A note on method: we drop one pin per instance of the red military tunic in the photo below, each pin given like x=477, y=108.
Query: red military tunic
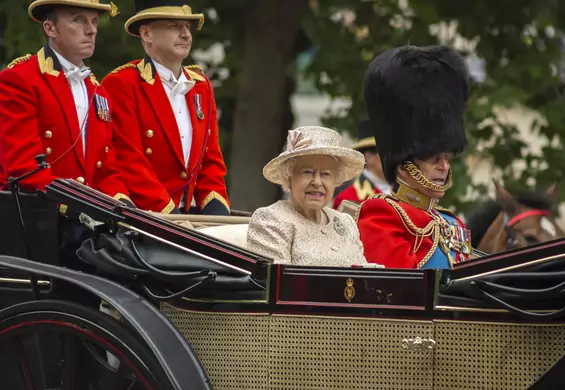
x=38, y=116
x=148, y=141
x=361, y=190
x=398, y=234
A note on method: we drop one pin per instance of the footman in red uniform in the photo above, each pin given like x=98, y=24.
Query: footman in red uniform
x=415, y=99
x=51, y=104
x=165, y=117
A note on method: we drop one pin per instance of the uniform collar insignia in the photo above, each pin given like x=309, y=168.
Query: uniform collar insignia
x=408, y=195
x=48, y=61
x=147, y=70
x=363, y=187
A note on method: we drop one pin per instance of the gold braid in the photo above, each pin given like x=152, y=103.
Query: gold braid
x=423, y=181
x=432, y=229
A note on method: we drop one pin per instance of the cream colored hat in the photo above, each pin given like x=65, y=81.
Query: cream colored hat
x=39, y=8
x=149, y=10
x=315, y=140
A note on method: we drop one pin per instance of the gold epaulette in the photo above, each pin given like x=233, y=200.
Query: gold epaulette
x=446, y=211
x=197, y=67
x=19, y=60
x=196, y=72
x=93, y=80
x=122, y=67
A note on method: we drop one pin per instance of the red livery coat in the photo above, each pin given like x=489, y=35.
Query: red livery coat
x=148, y=142
x=361, y=190
x=38, y=116
x=385, y=231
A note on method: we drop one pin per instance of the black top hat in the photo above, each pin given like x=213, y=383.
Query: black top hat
x=415, y=98
x=39, y=8
x=365, y=138
x=151, y=10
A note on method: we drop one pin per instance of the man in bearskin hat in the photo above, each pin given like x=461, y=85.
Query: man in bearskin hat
x=415, y=99
x=51, y=104
x=371, y=181
x=167, y=136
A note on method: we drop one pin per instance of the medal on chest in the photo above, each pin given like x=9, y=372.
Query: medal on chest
x=198, y=106
x=102, y=108
x=453, y=238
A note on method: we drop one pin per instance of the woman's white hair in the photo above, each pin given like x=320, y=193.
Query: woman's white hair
x=287, y=169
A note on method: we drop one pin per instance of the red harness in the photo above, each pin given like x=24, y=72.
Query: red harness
x=527, y=214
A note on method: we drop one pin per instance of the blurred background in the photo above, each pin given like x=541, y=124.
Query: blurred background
x=280, y=64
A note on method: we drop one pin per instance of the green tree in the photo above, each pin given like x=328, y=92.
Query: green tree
x=517, y=39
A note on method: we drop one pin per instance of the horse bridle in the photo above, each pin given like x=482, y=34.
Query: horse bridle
x=512, y=241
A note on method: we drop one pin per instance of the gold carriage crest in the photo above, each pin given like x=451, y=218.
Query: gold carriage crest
x=349, y=291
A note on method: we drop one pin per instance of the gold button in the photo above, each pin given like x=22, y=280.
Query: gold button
x=99, y=164
x=149, y=133
x=107, y=149
x=148, y=151
x=183, y=175
x=48, y=151
x=80, y=179
x=48, y=134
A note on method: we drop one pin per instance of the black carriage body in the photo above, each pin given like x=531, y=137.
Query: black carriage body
x=255, y=324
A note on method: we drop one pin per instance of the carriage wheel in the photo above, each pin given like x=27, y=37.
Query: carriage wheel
x=66, y=346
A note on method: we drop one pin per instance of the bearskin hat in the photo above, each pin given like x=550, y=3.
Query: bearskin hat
x=415, y=98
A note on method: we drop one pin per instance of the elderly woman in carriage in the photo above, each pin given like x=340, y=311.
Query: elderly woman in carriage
x=303, y=230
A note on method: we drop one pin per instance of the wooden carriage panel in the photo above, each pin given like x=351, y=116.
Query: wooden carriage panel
x=494, y=356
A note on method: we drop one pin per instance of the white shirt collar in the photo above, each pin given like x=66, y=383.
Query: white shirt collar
x=66, y=64
x=382, y=184
x=167, y=75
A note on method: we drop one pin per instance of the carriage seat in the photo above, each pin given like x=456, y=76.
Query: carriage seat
x=235, y=234
x=231, y=229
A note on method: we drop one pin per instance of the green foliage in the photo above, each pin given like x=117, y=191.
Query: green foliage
x=520, y=73
x=522, y=64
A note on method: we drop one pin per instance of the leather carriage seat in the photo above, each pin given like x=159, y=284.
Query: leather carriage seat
x=231, y=229
x=235, y=234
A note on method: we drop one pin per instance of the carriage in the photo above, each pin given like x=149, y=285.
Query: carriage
x=147, y=302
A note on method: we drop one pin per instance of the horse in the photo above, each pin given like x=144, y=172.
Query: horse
x=510, y=222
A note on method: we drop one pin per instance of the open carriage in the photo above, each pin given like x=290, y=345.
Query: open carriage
x=150, y=303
